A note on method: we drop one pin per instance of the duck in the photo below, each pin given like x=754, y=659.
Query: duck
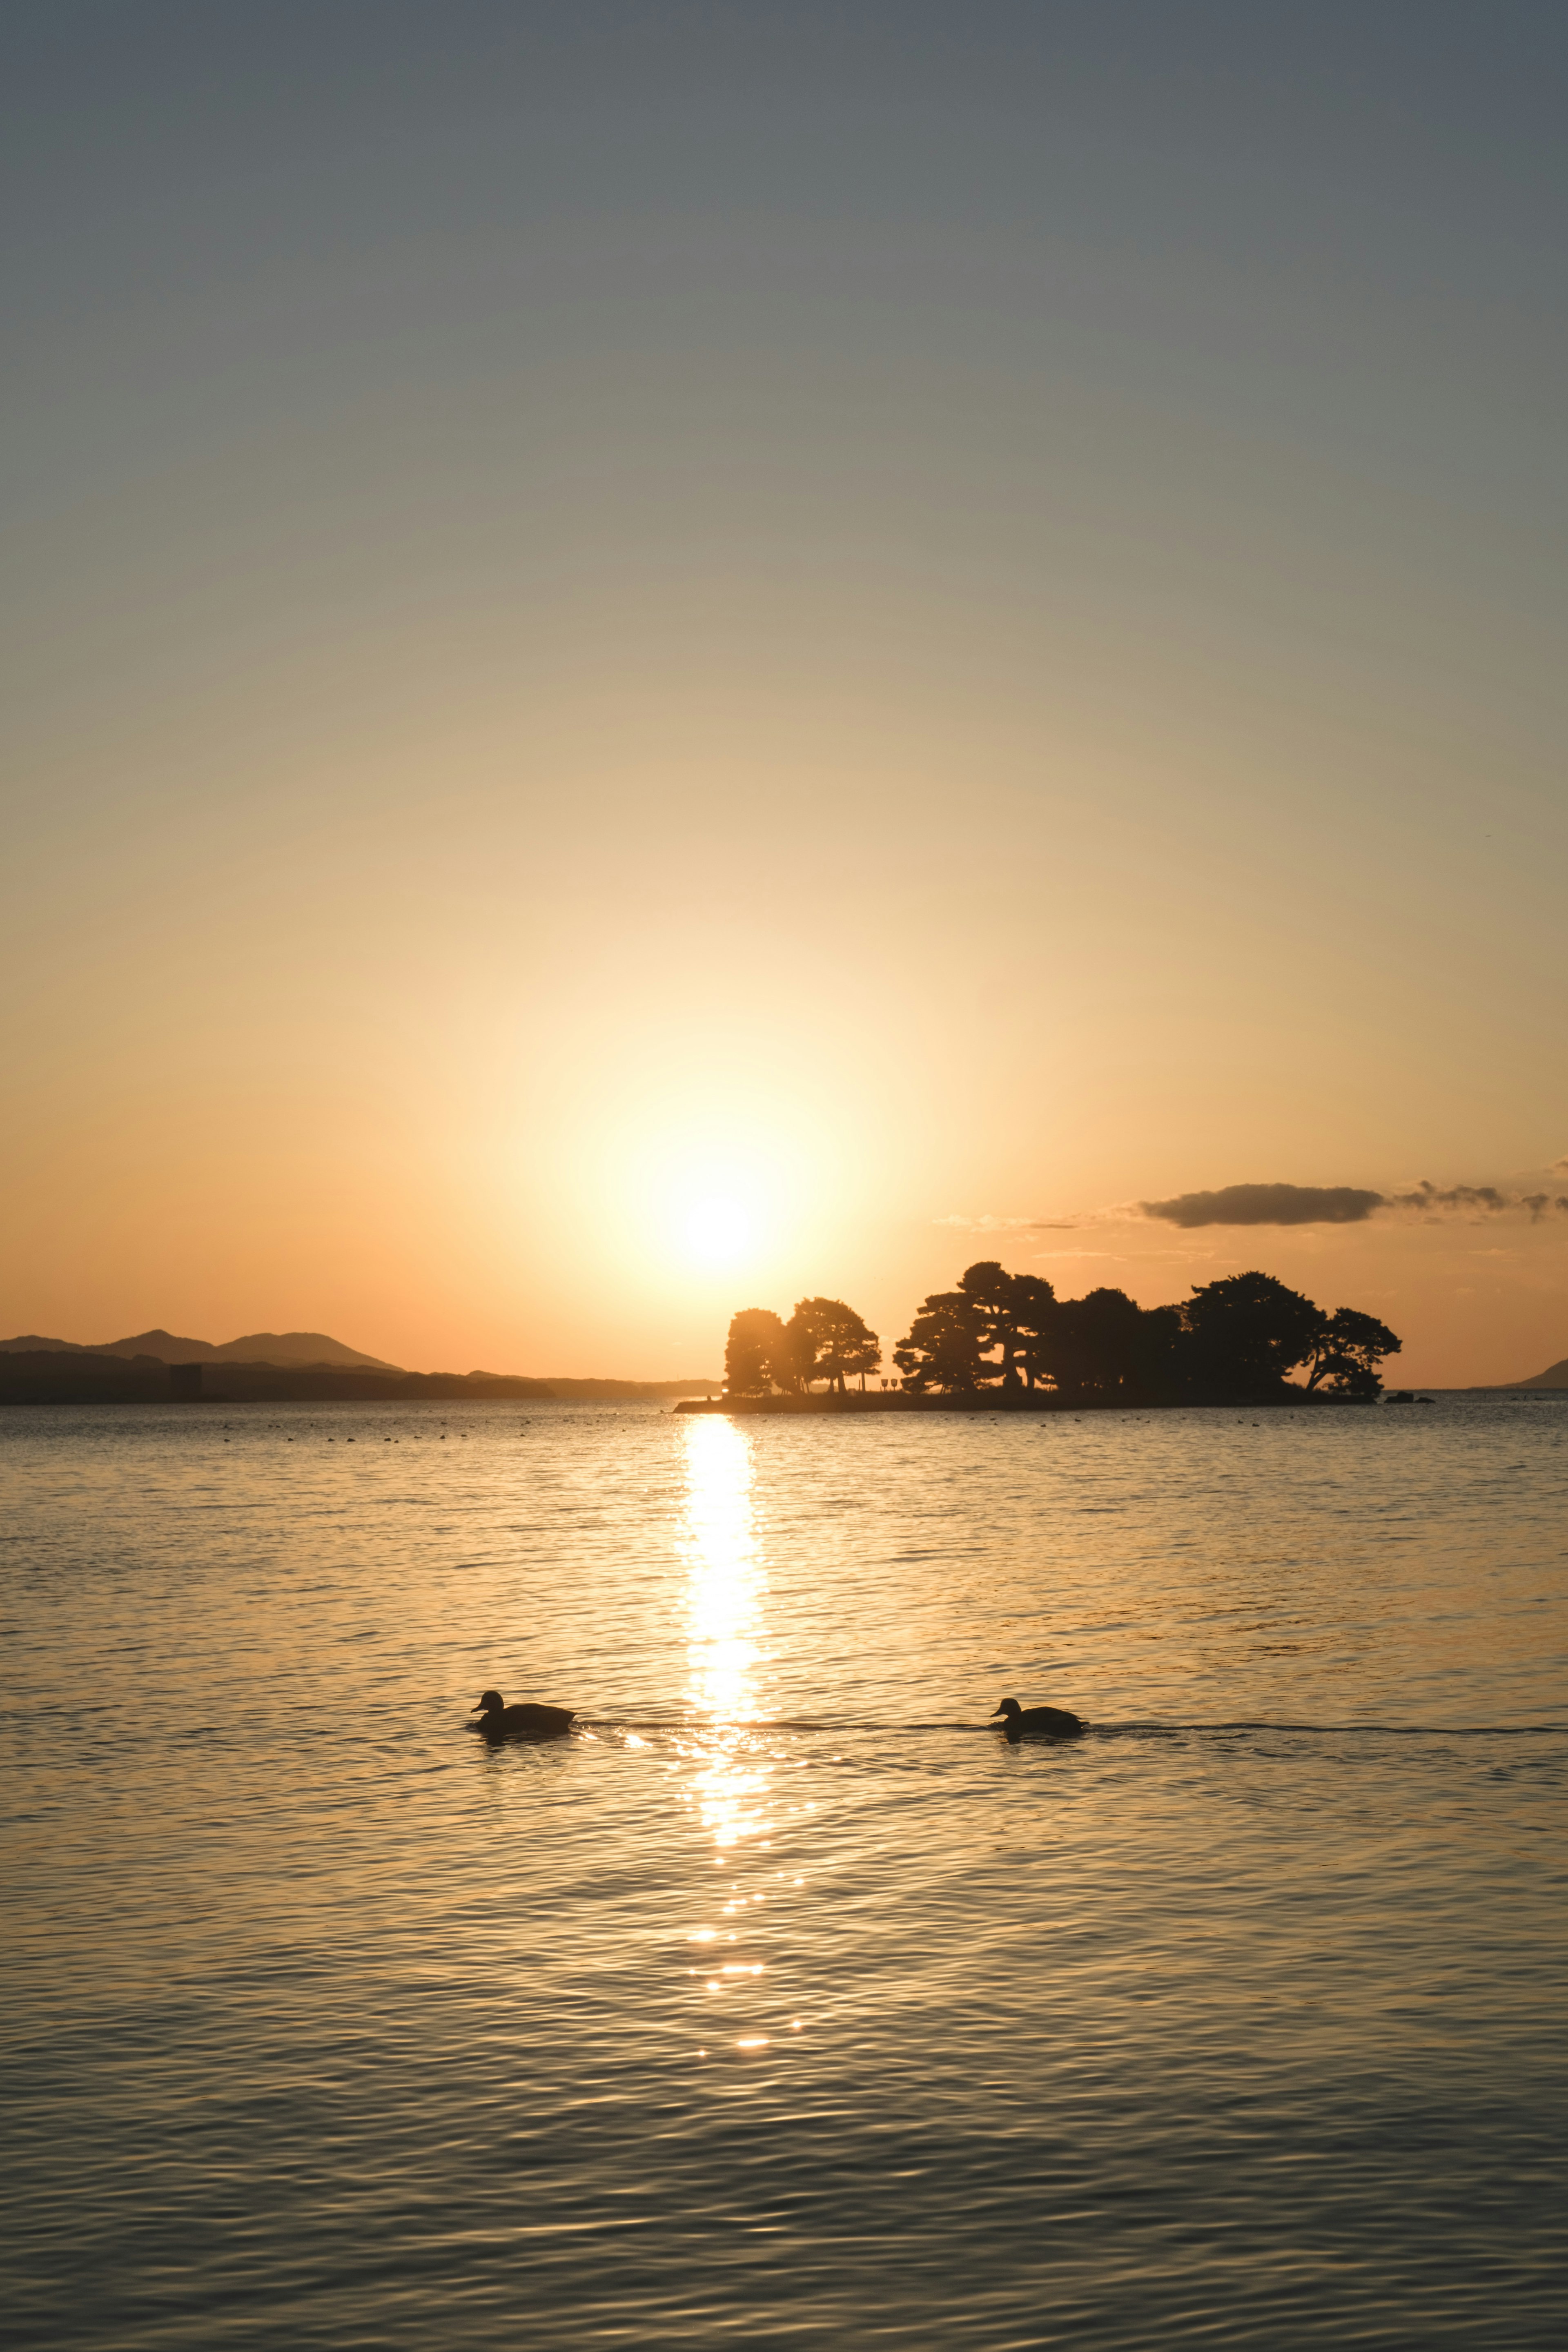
x=524, y=1719
x=1039, y=1722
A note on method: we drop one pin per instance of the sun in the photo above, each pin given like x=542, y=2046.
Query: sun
x=717, y=1230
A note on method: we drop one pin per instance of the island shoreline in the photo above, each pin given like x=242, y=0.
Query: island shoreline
x=1029, y=1402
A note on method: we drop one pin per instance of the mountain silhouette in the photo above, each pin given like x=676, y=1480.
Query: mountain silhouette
x=256, y=1348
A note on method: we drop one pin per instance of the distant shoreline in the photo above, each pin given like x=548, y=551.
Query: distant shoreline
x=1034, y=1401
x=43, y=1376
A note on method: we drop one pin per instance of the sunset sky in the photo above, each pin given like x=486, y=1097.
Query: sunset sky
x=660, y=657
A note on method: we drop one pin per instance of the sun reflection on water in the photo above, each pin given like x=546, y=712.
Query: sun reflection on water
x=725, y=1589
x=719, y=1546
x=736, y=1756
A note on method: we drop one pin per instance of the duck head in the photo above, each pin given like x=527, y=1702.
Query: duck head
x=1009, y=1707
x=489, y=1703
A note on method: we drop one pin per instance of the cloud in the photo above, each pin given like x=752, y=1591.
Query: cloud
x=1268, y=1204
x=1483, y=1197
x=1346, y=1204
x=1287, y=1205
x=1478, y=1200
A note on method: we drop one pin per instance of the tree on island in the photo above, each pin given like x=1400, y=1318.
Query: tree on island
x=1240, y=1336
x=991, y=1331
x=830, y=1338
x=822, y=1338
x=1106, y=1345
x=1248, y=1331
x=791, y=1364
x=1349, y=1347
x=756, y=1342
x=944, y=1347
x=1015, y=1312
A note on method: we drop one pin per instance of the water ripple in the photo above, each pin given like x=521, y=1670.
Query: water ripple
x=784, y=1998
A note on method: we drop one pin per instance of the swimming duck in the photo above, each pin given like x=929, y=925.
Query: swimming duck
x=1039, y=1722
x=522, y=1720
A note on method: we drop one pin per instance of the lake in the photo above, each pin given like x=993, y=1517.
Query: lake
x=785, y=2002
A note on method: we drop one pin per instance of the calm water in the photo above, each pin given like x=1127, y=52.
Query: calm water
x=784, y=2003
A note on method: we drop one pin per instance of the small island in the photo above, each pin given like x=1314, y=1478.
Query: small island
x=1003, y=1341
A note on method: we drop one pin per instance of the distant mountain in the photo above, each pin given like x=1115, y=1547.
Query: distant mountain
x=164, y=1344
x=77, y=1376
x=257, y=1348
x=1555, y=1376
x=299, y=1350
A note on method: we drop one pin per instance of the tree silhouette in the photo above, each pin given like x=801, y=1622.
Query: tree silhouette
x=1350, y=1346
x=1159, y=1341
x=1011, y=1312
x=799, y=1346
x=1013, y=1309
x=755, y=1343
x=990, y=1291
x=1034, y=1312
x=826, y=1337
x=1247, y=1331
x=1239, y=1337
x=1098, y=1342
x=1105, y=1345
x=945, y=1346
x=793, y=1357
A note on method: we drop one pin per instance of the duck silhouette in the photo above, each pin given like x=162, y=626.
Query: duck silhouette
x=524, y=1719
x=1039, y=1722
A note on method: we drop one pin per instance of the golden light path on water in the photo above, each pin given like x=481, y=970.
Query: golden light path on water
x=726, y=1582
x=726, y=1592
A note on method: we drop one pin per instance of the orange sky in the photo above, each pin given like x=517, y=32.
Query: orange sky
x=925, y=642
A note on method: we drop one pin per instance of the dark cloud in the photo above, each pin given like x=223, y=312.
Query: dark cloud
x=1268, y=1204
x=1345, y=1204
x=1484, y=1198
x=1478, y=1200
